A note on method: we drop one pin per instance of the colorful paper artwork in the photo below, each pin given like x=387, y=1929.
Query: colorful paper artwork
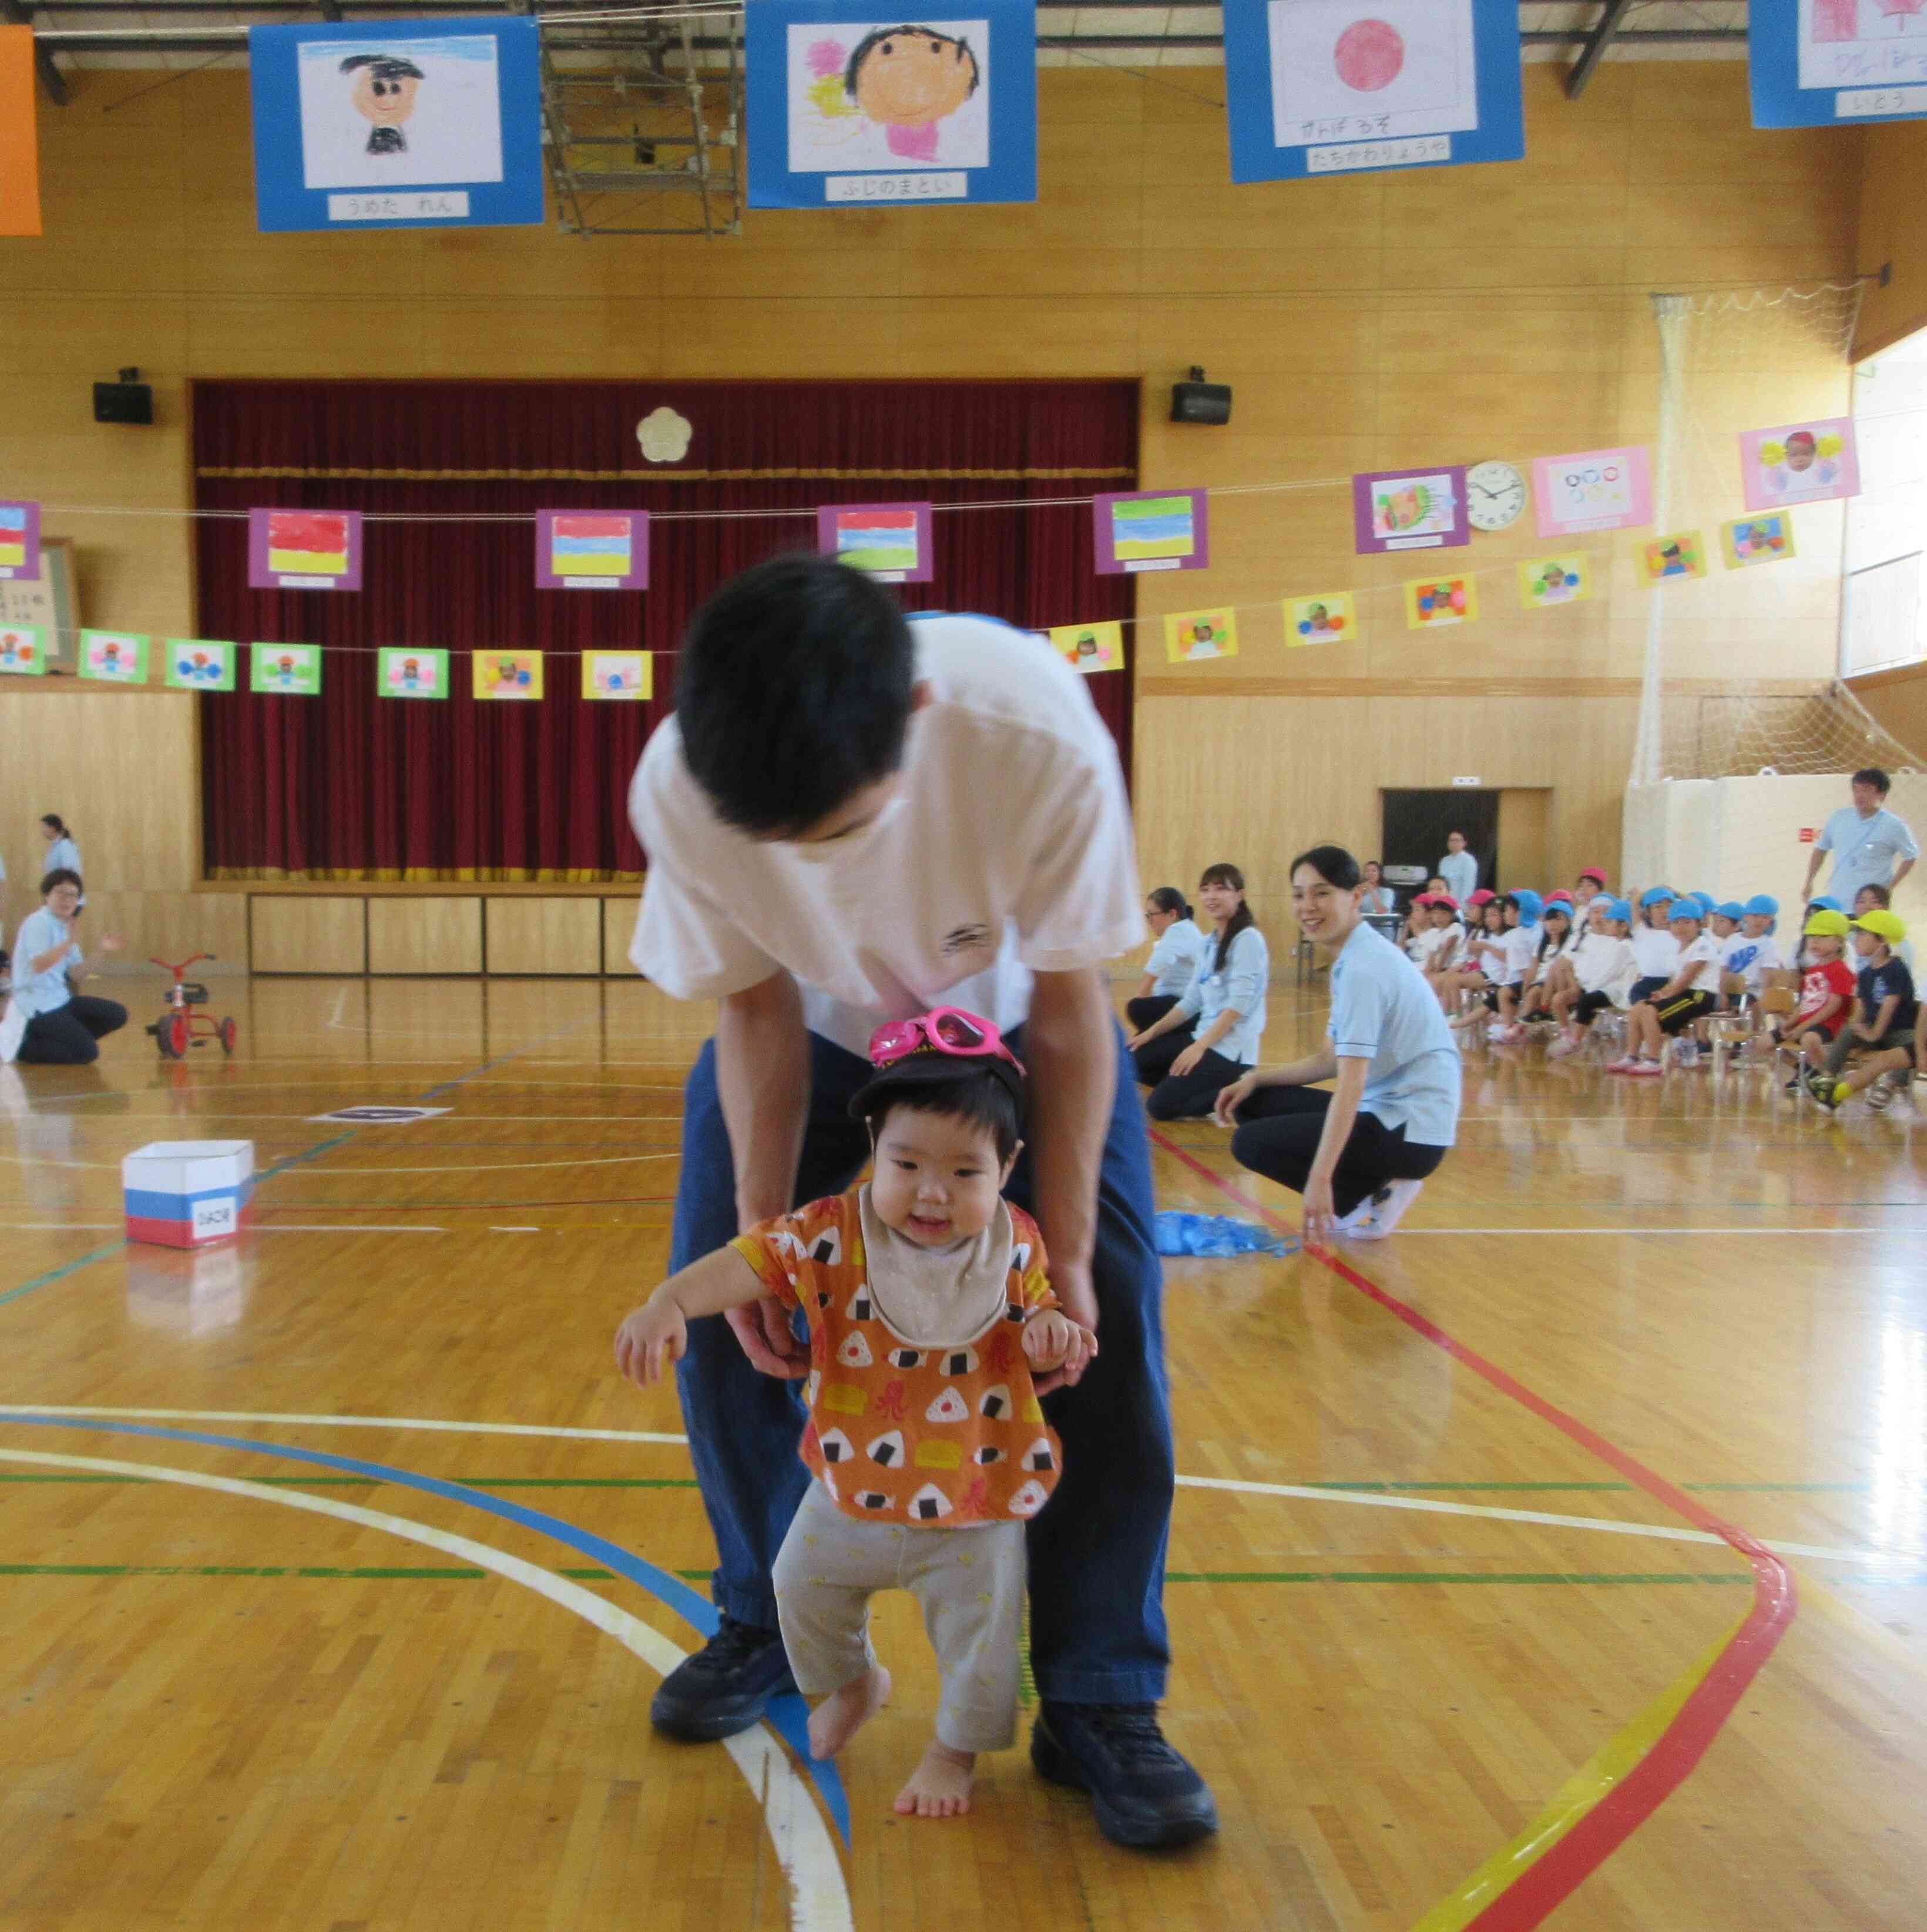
x=199, y=664
x=285, y=671
x=23, y=650
x=1190, y=636
x=507, y=677
x=1545, y=581
x=400, y=124
x=1593, y=489
x=1433, y=603
x=891, y=541
x=1330, y=619
x=592, y=550
x=1674, y=558
x=1801, y=462
x=1151, y=529
x=1091, y=647
x=618, y=676
x=20, y=540
x=1402, y=509
x=305, y=550
x=19, y=143
x=113, y=657
x=1816, y=63
x=402, y=671
x=848, y=105
x=1330, y=86
x=1767, y=538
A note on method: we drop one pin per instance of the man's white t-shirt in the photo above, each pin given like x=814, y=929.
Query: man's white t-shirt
x=1008, y=852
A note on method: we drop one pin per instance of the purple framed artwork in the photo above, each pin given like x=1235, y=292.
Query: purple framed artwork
x=889, y=541
x=20, y=541
x=1150, y=530
x=592, y=550
x=1410, y=509
x=304, y=550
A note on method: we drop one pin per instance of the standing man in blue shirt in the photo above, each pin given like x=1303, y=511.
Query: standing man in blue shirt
x=1359, y=1154
x=1870, y=845
x=1459, y=868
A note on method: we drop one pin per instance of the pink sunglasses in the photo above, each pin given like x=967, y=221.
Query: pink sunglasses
x=948, y=1030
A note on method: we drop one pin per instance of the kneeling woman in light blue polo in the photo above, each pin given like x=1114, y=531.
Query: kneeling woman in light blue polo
x=1360, y=1154
x=1210, y=1037
x=63, y=1026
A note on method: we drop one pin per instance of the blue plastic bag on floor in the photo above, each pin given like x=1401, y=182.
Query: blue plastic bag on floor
x=1217, y=1236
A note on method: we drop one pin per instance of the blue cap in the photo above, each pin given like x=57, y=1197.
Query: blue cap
x=1732, y=909
x=1825, y=905
x=1764, y=905
x=1706, y=901
x=1688, y=908
x=1529, y=905
x=1618, y=909
x=1655, y=895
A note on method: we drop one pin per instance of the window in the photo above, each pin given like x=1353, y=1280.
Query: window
x=1884, y=613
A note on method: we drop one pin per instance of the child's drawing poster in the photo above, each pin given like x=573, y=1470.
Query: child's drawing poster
x=1767, y=538
x=891, y=541
x=507, y=677
x=1332, y=86
x=1673, y=559
x=1091, y=648
x=401, y=671
x=1190, y=636
x=1546, y=581
x=23, y=650
x=199, y=664
x=1403, y=509
x=848, y=106
x=1331, y=618
x=1433, y=603
x=20, y=541
x=1816, y=63
x=113, y=657
x=618, y=676
x=285, y=671
x=19, y=136
x=305, y=550
x=592, y=550
x=1592, y=489
x=397, y=123
x=1150, y=530
x=1800, y=463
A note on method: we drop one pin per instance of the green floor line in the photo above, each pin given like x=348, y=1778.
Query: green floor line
x=53, y=1275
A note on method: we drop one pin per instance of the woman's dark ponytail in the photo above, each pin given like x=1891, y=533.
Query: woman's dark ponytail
x=1168, y=899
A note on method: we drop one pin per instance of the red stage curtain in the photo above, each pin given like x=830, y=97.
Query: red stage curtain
x=349, y=787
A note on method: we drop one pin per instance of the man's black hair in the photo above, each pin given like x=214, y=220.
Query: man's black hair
x=794, y=693
x=1333, y=864
x=980, y=1100
x=61, y=875
x=1872, y=775
x=878, y=35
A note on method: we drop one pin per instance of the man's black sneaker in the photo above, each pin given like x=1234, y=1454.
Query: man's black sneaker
x=1144, y=1794
x=726, y=1687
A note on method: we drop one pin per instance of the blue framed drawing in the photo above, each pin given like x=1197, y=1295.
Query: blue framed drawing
x=397, y=123
x=1816, y=63
x=852, y=106
x=1322, y=87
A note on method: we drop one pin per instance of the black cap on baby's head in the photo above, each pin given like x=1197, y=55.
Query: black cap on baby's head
x=986, y=1092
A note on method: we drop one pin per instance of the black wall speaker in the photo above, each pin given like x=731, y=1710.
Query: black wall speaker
x=1197, y=401
x=129, y=400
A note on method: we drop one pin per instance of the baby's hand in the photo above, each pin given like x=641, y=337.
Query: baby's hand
x=1051, y=1340
x=651, y=1337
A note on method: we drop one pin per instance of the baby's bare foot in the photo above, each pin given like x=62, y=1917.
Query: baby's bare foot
x=844, y=1713
x=940, y=1787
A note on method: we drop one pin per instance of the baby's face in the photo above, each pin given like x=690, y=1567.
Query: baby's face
x=936, y=1178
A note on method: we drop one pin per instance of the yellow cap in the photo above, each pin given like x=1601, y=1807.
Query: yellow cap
x=1883, y=925
x=1827, y=925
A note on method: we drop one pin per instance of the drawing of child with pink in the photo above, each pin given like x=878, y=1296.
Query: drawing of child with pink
x=908, y=80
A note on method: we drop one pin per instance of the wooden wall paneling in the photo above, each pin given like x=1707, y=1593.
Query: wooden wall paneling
x=1525, y=839
x=1892, y=233
x=619, y=917
x=1898, y=699
x=424, y=935
x=297, y=933
x=544, y=935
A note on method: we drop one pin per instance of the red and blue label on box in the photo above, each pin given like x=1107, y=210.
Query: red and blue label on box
x=186, y=1194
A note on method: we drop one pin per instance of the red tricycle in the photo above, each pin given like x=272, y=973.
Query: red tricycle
x=180, y=1027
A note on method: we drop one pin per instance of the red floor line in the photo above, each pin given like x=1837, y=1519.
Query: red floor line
x=1556, y=1877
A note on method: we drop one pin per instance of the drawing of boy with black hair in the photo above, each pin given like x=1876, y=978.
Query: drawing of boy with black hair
x=384, y=95
x=907, y=79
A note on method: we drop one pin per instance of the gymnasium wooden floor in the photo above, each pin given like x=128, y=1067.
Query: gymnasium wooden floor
x=279, y=1654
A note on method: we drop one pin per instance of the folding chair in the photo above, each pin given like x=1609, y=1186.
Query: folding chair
x=1733, y=1026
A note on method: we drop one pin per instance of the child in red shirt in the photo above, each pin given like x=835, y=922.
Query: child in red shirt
x=1826, y=990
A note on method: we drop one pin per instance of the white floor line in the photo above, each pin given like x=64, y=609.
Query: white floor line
x=383, y=1169
x=1360, y=1498
x=1847, y=1234
x=819, y=1901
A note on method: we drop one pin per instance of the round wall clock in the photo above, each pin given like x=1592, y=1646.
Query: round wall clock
x=1496, y=496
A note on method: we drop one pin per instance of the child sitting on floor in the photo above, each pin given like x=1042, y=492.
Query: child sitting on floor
x=928, y=1309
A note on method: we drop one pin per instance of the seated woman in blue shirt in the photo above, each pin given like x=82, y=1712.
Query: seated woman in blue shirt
x=1360, y=1154
x=1208, y=1039
x=1173, y=962
x=64, y=1027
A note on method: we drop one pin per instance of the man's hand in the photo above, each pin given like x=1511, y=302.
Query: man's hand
x=1078, y=1299
x=1321, y=1212
x=1231, y=1098
x=763, y=1330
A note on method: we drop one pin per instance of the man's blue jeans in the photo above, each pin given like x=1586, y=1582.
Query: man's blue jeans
x=1096, y=1550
